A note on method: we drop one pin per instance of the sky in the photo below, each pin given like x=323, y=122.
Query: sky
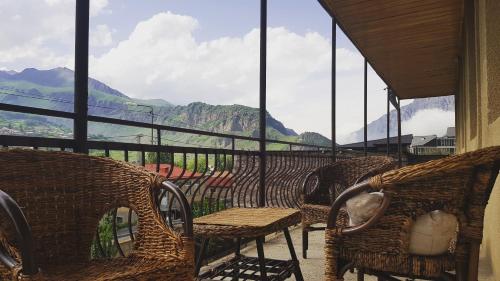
x=202, y=50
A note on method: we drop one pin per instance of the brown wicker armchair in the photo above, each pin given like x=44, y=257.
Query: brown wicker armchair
x=50, y=207
x=459, y=185
x=323, y=185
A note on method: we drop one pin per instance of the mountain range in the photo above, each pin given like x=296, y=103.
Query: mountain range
x=377, y=129
x=53, y=89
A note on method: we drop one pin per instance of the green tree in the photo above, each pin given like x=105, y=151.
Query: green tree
x=105, y=232
x=201, y=164
x=225, y=162
x=164, y=157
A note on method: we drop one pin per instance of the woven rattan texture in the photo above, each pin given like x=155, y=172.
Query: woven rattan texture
x=334, y=179
x=246, y=222
x=64, y=195
x=459, y=185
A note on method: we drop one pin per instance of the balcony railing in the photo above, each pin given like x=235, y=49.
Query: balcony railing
x=212, y=179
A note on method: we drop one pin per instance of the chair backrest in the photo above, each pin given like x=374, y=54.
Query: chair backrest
x=460, y=184
x=336, y=177
x=64, y=195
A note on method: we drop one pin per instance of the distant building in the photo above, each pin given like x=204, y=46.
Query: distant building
x=173, y=172
x=380, y=145
x=201, y=185
x=434, y=145
x=8, y=131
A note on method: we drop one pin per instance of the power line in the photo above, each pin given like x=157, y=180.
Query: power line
x=38, y=98
x=163, y=138
x=91, y=105
x=70, y=102
x=66, y=101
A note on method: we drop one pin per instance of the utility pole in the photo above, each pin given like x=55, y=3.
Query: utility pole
x=151, y=109
x=151, y=112
x=138, y=140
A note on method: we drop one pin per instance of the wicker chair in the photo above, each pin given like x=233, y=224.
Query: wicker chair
x=62, y=196
x=323, y=185
x=459, y=185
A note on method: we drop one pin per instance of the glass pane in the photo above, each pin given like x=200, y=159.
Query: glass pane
x=377, y=106
x=191, y=64
x=36, y=53
x=299, y=72
x=36, y=62
x=31, y=125
x=350, y=79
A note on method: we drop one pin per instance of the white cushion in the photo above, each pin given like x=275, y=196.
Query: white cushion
x=432, y=233
x=363, y=206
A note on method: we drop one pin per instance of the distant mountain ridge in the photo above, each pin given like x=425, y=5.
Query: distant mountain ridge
x=53, y=89
x=378, y=128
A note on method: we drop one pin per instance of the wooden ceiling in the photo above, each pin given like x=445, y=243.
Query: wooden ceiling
x=412, y=44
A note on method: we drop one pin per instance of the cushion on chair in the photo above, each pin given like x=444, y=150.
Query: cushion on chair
x=432, y=233
x=363, y=206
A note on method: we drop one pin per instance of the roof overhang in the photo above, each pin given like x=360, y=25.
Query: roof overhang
x=413, y=45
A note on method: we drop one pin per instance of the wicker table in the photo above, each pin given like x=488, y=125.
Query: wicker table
x=248, y=223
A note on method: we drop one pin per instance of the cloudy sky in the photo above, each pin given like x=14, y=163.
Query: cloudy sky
x=201, y=50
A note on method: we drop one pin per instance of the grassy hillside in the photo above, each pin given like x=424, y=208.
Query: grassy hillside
x=53, y=89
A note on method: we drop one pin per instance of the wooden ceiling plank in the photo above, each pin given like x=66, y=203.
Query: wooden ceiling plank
x=412, y=44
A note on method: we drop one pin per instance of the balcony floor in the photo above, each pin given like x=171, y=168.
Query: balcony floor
x=313, y=266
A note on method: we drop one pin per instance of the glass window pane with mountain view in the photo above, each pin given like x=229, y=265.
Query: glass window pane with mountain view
x=299, y=73
x=192, y=64
x=36, y=65
x=350, y=79
x=377, y=108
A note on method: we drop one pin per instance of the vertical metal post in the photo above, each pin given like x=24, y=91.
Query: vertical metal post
x=400, y=161
x=334, y=89
x=262, y=102
x=158, y=153
x=81, y=75
x=152, y=127
x=388, y=122
x=158, y=136
x=233, y=144
x=365, y=112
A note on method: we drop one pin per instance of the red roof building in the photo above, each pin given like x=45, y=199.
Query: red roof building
x=217, y=180
x=176, y=174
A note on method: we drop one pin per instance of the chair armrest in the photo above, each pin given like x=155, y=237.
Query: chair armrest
x=23, y=231
x=366, y=176
x=186, y=209
x=161, y=237
x=307, y=191
x=346, y=195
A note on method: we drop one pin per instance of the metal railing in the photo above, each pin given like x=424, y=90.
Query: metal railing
x=220, y=178
x=229, y=177
x=212, y=179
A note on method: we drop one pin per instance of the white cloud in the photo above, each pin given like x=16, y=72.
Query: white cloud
x=36, y=33
x=162, y=59
x=101, y=36
x=429, y=122
x=52, y=2
x=41, y=33
x=96, y=6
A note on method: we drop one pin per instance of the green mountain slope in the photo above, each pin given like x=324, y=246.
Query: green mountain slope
x=53, y=89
